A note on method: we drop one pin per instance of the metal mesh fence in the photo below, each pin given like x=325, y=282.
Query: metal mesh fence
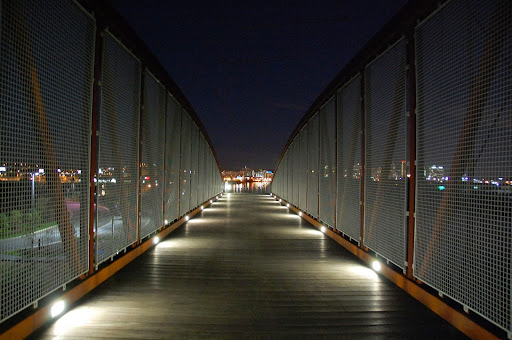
x=296, y=170
x=117, y=178
x=194, y=163
x=186, y=124
x=327, y=173
x=210, y=174
x=289, y=173
x=464, y=125
x=284, y=176
x=46, y=64
x=152, y=156
x=313, y=150
x=303, y=179
x=201, y=168
x=172, y=159
x=386, y=155
x=348, y=216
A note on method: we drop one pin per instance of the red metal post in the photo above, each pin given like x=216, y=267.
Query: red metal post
x=411, y=56
x=94, y=157
x=363, y=161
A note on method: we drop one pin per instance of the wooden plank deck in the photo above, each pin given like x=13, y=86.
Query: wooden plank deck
x=247, y=268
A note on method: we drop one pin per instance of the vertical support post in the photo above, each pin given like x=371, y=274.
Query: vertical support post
x=98, y=58
x=335, y=160
x=411, y=57
x=141, y=112
x=363, y=159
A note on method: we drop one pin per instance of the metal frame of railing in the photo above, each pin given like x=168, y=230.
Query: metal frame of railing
x=24, y=46
x=484, y=70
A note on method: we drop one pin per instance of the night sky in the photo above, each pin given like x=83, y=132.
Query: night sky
x=252, y=69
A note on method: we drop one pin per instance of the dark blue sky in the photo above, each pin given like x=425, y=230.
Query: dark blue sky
x=252, y=69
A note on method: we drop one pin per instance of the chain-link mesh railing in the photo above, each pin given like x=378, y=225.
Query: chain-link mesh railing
x=302, y=169
x=46, y=76
x=152, y=156
x=464, y=161
x=118, y=157
x=186, y=127
x=385, y=197
x=48, y=67
x=327, y=171
x=313, y=158
x=172, y=159
x=348, y=213
x=462, y=245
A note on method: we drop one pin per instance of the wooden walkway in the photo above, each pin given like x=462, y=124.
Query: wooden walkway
x=246, y=268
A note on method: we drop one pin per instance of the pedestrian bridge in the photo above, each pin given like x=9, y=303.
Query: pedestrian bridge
x=247, y=266
x=389, y=214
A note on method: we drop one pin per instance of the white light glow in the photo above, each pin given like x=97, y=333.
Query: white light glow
x=166, y=222
x=211, y=201
x=363, y=271
x=202, y=207
x=280, y=200
x=300, y=213
x=156, y=240
x=323, y=229
x=376, y=266
x=57, y=308
x=288, y=205
x=216, y=197
x=186, y=218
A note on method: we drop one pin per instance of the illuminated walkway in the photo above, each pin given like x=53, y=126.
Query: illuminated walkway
x=247, y=268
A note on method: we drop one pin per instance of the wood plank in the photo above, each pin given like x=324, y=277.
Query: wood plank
x=247, y=267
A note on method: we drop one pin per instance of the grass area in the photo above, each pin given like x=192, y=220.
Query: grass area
x=27, y=231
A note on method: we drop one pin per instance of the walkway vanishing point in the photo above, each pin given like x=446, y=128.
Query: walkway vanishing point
x=247, y=267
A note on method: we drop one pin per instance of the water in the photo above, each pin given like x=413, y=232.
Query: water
x=248, y=187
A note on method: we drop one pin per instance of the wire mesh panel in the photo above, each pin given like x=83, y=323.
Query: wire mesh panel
x=116, y=210
x=186, y=150
x=464, y=160
x=210, y=174
x=289, y=175
x=194, y=163
x=303, y=173
x=296, y=171
x=348, y=215
x=284, y=176
x=45, y=104
x=201, y=169
x=172, y=159
x=327, y=188
x=386, y=155
x=152, y=156
x=313, y=150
